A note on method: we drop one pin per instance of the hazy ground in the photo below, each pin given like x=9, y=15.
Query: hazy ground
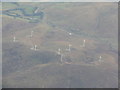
x=52, y=23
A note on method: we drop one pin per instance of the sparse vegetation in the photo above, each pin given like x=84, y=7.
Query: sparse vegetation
x=94, y=22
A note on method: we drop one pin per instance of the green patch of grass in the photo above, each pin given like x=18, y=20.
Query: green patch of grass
x=28, y=9
x=7, y=5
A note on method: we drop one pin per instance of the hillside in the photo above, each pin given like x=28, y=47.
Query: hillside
x=54, y=26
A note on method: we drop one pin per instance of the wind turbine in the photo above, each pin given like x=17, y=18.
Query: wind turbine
x=100, y=58
x=69, y=49
x=59, y=51
x=61, y=55
x=14, y=39
x=83, y=43
x=34, y=48
x=31, y=34
x=61, y=58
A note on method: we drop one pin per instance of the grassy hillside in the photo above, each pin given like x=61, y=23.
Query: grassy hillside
x=52, y=23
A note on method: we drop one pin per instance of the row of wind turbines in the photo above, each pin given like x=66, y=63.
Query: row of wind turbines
x=35, y=48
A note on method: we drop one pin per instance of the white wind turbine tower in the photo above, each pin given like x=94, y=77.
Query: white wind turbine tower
x=14, y=39
x=31, y=34
x=69, y=49
x=61, y=55
x=100, y=58
x=61, y=58
x=59, y=51
x=83, y=43
x=34, y=48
